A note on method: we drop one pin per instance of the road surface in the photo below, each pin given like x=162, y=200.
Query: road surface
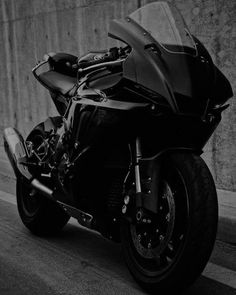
x=79, y=261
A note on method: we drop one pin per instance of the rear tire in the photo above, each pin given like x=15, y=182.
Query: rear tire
x=175, y=258
x=39, y=214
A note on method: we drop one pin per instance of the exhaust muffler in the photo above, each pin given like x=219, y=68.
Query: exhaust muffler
x=16, y=151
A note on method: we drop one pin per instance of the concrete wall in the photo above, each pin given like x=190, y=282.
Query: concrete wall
x=30, y=28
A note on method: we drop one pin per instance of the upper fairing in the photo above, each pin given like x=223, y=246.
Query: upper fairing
x=165, y=57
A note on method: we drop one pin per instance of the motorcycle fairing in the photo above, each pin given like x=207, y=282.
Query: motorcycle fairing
x=142, y=66
x=177, y=75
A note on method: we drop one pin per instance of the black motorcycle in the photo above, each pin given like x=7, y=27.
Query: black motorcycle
x=123, y=157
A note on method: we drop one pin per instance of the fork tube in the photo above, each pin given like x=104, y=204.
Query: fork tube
x=137, y=179
x=138, y=156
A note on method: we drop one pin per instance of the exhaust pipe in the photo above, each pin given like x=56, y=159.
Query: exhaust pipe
x=17, y=153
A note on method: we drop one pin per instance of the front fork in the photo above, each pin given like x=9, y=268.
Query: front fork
x=146, y=176
x=137, y=157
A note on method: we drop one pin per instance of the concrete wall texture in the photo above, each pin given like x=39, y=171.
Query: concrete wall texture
x=30, y=28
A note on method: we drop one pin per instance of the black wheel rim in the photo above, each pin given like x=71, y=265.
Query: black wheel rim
x=157, y=247
x=29, y=199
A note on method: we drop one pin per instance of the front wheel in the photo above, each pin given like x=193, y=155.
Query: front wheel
x=171, y=252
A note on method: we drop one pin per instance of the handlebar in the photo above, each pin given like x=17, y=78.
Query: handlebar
x=86, y=64
x=109, y=64
x=90, y=66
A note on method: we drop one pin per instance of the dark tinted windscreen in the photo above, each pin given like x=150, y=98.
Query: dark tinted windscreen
x=165, y=24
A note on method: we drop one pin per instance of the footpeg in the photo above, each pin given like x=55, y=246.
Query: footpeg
x=83, y=218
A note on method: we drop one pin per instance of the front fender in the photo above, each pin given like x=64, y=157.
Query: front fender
x=150, y=175
x=168, y=150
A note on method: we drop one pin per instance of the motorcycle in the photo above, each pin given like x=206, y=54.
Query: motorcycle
x=123, y=156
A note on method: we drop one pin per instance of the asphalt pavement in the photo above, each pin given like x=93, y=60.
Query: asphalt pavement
x=80, y=261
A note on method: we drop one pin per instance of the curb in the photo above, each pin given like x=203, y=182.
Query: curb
x=227, y=216
x=226, y=199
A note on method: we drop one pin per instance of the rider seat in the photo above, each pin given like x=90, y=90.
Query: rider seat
x=58, y=83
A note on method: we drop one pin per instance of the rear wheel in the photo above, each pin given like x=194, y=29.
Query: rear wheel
x=39, y=214
x=172, y=251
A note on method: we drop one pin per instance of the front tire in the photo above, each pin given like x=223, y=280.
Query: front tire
x=170, y=254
